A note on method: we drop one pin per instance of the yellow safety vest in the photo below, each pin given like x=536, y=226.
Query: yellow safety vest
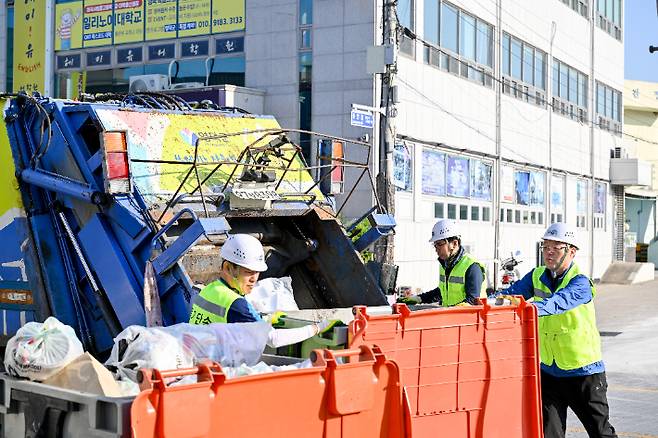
x=571, y=339
x=213, y=303
x=453, y=289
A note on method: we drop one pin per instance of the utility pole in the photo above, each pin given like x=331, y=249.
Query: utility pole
x=387, y=132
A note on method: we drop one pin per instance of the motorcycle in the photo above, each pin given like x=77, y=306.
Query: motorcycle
x=508, y=267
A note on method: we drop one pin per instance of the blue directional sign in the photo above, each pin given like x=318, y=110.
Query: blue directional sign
x=364, y=119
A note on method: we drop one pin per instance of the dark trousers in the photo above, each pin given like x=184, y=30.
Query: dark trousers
x=586, y=396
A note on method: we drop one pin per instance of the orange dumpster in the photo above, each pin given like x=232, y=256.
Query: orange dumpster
x=361, y=397
x=467, y=371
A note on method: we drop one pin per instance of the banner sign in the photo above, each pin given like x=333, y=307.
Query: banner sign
x=536, y=188
x=557, y=194
x=521, y=183
x=457, y=177
x=581, y=197
x=29, y=46
x=507, y=184
x=402, y=167
x=480, y=180
x=600, y=190
x=433, y=172
x=93, y=23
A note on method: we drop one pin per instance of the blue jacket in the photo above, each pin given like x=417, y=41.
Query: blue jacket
x=241, y=310
x=472, y=282
x=577, y=292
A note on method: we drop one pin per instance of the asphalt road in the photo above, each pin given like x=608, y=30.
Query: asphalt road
x=627, y=317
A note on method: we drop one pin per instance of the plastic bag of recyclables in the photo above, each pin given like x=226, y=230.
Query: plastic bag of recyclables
x=39, y=350
x=273, y=294
x=183, y=345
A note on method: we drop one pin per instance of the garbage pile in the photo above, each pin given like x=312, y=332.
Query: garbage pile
x=51, y=353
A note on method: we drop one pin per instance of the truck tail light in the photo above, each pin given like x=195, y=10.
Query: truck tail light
x=117, y=169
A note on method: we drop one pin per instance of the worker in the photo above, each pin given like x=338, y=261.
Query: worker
x=461, y=276
x=572, y=369
x=223, y=301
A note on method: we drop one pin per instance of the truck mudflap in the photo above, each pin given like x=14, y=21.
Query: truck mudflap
x=345, y=393
x=468, y=371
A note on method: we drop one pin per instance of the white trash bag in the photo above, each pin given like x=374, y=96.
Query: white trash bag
x=273, y=294
x=39, y=350
x=140, y=347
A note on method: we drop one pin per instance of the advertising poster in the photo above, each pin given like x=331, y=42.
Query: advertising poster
x=521, y=183
x=600, y=190
x=97, y=23
x=402, y=167
x=557, y=194
x=434, y=172
x=159, y=136
x=128, y=21
x=480, y=180
x=161, y=18
x=581, y=197
x=536, y=188
x=457, y=177
x=68, y=25
x=228, y=15
x=29, y=46
x=507, y=184
x=193, y=17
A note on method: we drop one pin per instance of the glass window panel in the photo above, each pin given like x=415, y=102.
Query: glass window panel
x=528, y=64
x=449, y=27
x=475, y=213
x=505, y=54
x=617, y=13
x=405, y=13
x=533, y=217
x=540, y=218
x=485, y=214
x=608, y=9
x=573, y=85
x=484, y=44
x=582, y=90
x=608, y=102
x=517, y=216
x=540, y=67
x=467, y=36
x=600, y=6
x=564, y=81
x=306, y=12
x=600, y=99
x=615, y=106
x=516, y=58
x=510, y=213
x=463, y=212
x=525, y=217
x=439, y=210
x=452, y=211
x=431, y=21
x=556, y=79
x=305, y=67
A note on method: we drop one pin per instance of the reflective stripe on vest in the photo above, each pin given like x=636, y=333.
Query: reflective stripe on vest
x=569, y=339
x=454, y=290
x=213, y=303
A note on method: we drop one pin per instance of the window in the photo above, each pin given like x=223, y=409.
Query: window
x=608, y=111
x=569, y=91
x=439, y=210
x=517, y=216
x=452, y=211
x=523, y=70
x=458, y=42
x=579, y=6
x=486, y=214
x=475, y=213
x=510, y=213
x=463, y=212
x=609, y=16
x=406, y=13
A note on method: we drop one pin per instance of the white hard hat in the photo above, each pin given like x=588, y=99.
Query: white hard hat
x=561, y=232
x=246, y=251
x=445, y=229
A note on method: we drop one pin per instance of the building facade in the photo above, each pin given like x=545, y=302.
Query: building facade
x=506, y=112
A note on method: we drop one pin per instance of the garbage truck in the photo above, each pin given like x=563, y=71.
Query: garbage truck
x=93, y=192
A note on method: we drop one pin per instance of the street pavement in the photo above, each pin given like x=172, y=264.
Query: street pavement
x=627, y=317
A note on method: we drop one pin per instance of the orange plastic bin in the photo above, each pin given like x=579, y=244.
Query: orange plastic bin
x=467, y=371
x=361, y=398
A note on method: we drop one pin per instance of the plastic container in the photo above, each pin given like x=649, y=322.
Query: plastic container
x=467, y=371
x=361, y=398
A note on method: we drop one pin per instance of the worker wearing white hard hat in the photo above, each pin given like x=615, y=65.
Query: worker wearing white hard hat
x=223, y=301
x=572, y=369
x=461, y=276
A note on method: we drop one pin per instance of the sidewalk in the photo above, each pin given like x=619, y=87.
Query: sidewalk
x=627, y=317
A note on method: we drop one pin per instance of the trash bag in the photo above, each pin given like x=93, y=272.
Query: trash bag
x=184, y=345
x=140, y=347
x=272, y=294
x=40, y=350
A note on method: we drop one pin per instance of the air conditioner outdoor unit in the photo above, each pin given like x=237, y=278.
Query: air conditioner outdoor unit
x=154, y=82
x=184, y=85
